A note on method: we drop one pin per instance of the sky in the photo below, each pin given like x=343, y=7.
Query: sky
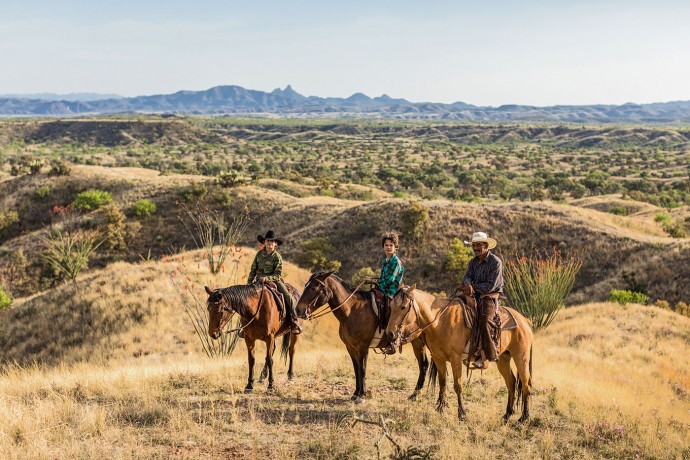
x=486, y=53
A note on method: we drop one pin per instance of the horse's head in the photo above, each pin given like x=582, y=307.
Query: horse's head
x=219, y=312
x=315, y=294
x=400, y=321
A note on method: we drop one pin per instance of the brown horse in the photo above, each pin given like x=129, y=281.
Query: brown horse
x=441, y=321
x=358, y=324
x=259, y=319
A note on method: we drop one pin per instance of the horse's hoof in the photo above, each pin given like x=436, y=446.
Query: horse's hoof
x=359, y=399
x=440, y=406
x=353, y=397
x=260, y=381
x=523, y=419
x=413, y=396
x=248, y=390
x=270, y=389
x=461, y=417
x=291, y=377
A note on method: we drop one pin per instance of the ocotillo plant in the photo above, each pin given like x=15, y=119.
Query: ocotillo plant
x=536, y=286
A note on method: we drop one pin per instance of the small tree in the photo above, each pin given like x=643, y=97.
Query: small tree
x=362, y=274
x=458, y=258
x=313, y=255
x=415, y=220
x=536, y=286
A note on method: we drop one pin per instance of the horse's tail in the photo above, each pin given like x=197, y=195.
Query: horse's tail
x=433, y=376
x=284, y=346
x=519, y=381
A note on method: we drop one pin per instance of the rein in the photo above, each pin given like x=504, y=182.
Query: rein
x=408, y=338
x=326, y=311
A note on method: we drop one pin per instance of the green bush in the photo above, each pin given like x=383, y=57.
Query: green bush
x=144, y=208
x=458, y=258
x=662, y=218
x=623, y=297
x=5, y=298
x=362, y=274
x=619, y=210
x=42, y=191
x=415, y=220
x=111, y=226
x=8, y=220
x=313, y=255
x=683, y=309
x=663, y=304
x=91, y=199
x=537, y=286
x=59, y=168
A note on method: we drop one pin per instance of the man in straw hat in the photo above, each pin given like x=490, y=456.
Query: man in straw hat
x=484, y=281
x=268, y=266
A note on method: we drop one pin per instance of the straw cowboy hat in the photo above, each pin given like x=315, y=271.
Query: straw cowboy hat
x=481, y=237
x=270, y=236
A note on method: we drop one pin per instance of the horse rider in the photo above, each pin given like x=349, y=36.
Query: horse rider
x=268, y=266
x=484, y=281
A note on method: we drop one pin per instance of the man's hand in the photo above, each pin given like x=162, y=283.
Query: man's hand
x=467, y=289
x=262, y=279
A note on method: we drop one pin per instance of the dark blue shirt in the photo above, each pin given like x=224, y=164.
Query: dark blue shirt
x=486, y=276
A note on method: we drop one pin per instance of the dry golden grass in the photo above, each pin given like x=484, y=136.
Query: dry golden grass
x=610, y=382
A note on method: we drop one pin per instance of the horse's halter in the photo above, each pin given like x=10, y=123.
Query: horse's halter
x=410, y=305
x=221, y=306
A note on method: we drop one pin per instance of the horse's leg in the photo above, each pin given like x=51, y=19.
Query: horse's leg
x=507, y=373
x=270, y=349
x=523, y=361
x=442, y=371
x=355, y=364
x=363, y=374
x=250, y=360
x=456, y=367
x=423, y=363
x=291, y=354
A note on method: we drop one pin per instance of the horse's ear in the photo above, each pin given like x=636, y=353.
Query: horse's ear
x=208, y=290
x=411, y=290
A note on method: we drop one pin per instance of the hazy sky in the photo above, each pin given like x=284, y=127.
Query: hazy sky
x=480, y=52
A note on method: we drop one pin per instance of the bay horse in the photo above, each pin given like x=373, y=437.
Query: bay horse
x=259, y=320
x=441, y=321
x=358, y=323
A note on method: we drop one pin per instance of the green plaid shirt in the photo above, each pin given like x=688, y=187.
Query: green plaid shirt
x=391, y=275
x=270, y=266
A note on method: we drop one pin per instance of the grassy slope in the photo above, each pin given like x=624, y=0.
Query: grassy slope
x=610, y=391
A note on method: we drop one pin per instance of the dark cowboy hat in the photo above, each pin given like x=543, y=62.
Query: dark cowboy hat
x=268, y=237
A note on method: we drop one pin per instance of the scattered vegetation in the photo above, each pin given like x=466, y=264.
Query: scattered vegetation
x=91, y=200
x=144, y=208
x=624, y=297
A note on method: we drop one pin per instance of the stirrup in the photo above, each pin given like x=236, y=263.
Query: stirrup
x=295, y=329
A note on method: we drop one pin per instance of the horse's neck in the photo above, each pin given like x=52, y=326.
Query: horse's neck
x=246, y=311
x=340, y=295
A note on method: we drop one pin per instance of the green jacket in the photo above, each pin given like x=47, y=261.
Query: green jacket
x=270, y=266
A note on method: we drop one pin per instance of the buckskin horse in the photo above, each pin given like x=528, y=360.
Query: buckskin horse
x=358, y=323
x=415, y=312
x=259, y=319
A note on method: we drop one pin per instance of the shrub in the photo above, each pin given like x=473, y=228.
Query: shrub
x=144, y=208
x=8, y=221
x=35, y=166
x=232, y=178
x=111, y=225
x=415, y=220
x=59, y=168
x=683, y=309
x=623, y=297
x=313, y=255
x=664, y=305
x=619, y=210
x=662, y=218
x=5, y=298
x=458, y=258
x=91, y=199
x=537, y=286
x=67, y=249
x=42, y=191
x=196, y=192
x=362, y=274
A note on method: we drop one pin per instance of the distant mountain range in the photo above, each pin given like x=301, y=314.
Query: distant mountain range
x=235, y=100
x=62, y=97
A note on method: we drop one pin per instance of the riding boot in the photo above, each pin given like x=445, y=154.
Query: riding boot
x=296, y=328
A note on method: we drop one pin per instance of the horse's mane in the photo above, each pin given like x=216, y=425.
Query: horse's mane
x=239, y=295
x=344, y=283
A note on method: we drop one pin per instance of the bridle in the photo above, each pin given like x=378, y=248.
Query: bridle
x=223, y=307
x=399, y=340
x=324, y=290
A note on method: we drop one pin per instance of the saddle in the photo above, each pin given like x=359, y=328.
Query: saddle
x=503, y=320
x=382, y=312
x=280, y=301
